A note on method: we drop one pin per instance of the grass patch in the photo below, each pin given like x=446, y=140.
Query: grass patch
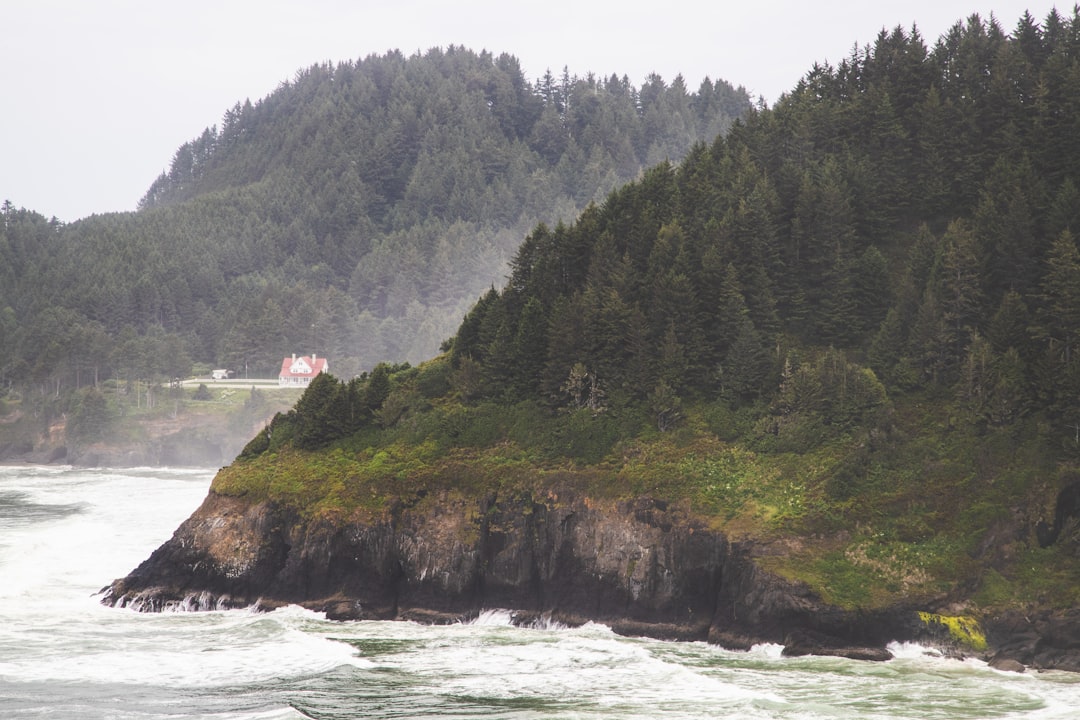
x=1038, y=577
x=873, y=570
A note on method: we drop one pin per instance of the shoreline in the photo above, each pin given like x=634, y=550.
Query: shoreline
x=640, y=567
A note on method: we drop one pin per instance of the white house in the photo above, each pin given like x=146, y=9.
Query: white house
x=298, y=371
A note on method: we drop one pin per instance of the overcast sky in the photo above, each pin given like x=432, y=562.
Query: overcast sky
x=97, y=96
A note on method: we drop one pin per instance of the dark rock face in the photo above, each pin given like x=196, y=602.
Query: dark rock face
x=643, y=567
x=641, y=564
x=801, y=643
x=1043, y=640
x=1066, y=508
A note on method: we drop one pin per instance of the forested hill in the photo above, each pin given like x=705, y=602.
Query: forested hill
x=914, y=210
x=852, y=322
x=450, y=135
x=356, y=212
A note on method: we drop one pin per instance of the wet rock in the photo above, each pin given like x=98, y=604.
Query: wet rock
x=1006, y=664
x=643, y=567
x=730, y=640
x=1044, y=640
x=800, y=643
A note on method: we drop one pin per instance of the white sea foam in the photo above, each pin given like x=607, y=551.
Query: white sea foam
x=911, y=651
x=489, y=618
x=510, y=618
x=62, y=654
x=544, y=622
x=768, y=650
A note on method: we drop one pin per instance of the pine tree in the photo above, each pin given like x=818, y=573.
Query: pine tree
x=727, y=319
x=1064, y=210
x=672, y=363
x=870, y=291
x=530, y=348
x=1005, y=227
x=378, y=387
x=974, y=389
x=838, y=313
x=565, y=331
x=470, y=341
x=1009, y=326
x=318, y=421
x=959, y=291
x=1058, y=318
x=823, y=237
x=747, y=364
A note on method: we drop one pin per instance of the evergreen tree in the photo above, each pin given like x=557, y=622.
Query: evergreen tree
x=959, y=290
x=378, y=387
x=317, y=415
x=530, y=348
x=1006, y=229
x=870, y=291
x=1059, y=314
x=1009, y=327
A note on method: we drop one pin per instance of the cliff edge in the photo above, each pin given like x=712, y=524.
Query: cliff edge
x=644, y=567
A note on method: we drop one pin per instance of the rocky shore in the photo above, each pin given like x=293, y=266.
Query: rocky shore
x=643, y=567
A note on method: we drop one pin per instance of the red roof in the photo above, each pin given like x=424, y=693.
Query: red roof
x=302, y=366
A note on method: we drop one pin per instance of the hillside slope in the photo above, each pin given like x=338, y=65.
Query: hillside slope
x=356, y=212
x=842, y=335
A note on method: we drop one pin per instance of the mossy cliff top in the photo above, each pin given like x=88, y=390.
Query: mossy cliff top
x=912, y=509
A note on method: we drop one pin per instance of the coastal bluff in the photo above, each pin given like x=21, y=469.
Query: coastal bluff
x=644, y=567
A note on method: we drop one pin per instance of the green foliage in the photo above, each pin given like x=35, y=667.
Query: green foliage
x=258, y=444
x=665, y=406
x=852, y=317
x=89, y=417
x=585, y=436
x=819, y=399
x=357, y=211
x=434, y=378
x=378, y=387
x=1040, y=576
x=729, y=423
x=849, y=477
x=694, y=279
x=319, y=415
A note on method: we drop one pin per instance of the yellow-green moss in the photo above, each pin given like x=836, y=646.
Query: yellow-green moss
x=963, y=629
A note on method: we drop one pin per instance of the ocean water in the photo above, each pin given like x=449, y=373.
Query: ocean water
x=66, y=532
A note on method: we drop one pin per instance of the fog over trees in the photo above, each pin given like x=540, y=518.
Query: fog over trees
x=357, y=212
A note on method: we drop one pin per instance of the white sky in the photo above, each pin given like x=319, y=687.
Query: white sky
x=97, y=95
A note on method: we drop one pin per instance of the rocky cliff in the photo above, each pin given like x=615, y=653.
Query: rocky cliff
x=644, y=567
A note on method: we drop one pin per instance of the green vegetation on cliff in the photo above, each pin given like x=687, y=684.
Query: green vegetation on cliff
x=846, y=329
x=904, y=513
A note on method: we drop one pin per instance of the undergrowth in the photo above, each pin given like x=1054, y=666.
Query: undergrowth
x=867, y=516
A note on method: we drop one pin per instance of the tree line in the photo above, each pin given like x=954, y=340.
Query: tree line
x=357, y=212
x=903, y=222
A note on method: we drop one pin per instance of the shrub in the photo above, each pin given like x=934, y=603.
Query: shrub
x=433, y=378
x=89, y=418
